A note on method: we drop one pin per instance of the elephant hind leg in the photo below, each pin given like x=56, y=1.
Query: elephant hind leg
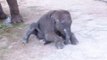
x=37, y=32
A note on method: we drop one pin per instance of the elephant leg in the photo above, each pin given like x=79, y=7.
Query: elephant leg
x=52, y=37
x=73, y=39
x=38, y=33
x=14, y=10
x=30, y=31
x=70, y=37
x=2, y=14
x=27, y=35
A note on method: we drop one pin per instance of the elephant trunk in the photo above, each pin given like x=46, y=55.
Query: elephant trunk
x=67, y=36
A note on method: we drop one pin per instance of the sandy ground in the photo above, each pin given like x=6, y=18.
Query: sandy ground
x=89, y=25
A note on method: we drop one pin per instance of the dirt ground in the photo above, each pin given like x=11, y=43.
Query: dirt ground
x=89, y=25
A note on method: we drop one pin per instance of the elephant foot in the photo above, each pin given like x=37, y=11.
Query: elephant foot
x=59, y=45
x=66, y=42
x=7, y=22
x=16, y=19
x=3, y=16
x=74, y=41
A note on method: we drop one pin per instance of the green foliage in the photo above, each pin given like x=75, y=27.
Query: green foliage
x=3, y=28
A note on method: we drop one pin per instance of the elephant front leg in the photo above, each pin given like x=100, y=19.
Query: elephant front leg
x=2, y=14
x=14, y=10
x=70, y=37
x=52, y=37
x=73, y=39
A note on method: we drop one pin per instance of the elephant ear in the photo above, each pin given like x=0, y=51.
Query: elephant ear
x=55, y=20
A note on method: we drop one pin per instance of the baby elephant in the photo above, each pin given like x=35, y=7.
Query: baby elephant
x=62, y=21
x=53, y=26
